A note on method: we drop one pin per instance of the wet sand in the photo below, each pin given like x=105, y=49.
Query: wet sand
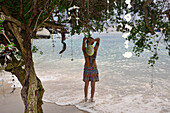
x=12, y=103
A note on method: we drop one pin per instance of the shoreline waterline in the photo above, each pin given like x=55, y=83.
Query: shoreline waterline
x=12, y=102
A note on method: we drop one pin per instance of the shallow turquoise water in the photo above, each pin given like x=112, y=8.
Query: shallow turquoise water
x=124, y=86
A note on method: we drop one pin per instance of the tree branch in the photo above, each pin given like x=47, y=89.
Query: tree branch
x=35, y=12
x=53, y=26
x=14, y=28
x=21, y=8
x=85, y=23
x=21, y=12
x=13, y=20
x=8, y=17
x=146, y=16
x=37, y=20
x=46, y=18
x=17, y=35
x=29, y=11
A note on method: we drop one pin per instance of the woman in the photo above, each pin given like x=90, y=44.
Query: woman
x=90, y=67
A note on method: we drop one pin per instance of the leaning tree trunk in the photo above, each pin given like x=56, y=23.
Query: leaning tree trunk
x=32, y=90
x=35, y=94
x=29, y=91
x=15, y=67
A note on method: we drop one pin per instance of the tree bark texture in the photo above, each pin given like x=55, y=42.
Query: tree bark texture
x=15, y=67
x=32, y=90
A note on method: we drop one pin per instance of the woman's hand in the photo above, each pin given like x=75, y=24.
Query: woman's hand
x=85, y=38
x=91, y=41
x=97, y=39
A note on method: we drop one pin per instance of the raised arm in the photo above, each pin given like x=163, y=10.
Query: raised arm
x=84, y=43
x=97, y=43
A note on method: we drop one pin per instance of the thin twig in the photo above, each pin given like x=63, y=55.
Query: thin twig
x=35, y=12
x=37, y=20
x=29, y=11
x=84, y=23
x=46, y=18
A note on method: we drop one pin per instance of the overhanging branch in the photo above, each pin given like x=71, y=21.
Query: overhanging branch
x=35, y=12
x=84, y=23
x=53, y=26
x=45, y=18
x=8, y=17
x=13, y=20
x=146, y=16
x=17, y=35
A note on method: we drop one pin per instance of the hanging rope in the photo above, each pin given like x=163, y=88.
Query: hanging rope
x=52, y=37
x=13, y=85
x=107, y=5
x=72, y=49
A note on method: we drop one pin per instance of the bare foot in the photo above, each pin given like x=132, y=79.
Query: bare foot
x=85, y=100
x=92, y=100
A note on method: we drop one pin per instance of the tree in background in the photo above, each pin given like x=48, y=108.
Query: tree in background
x=22, y=19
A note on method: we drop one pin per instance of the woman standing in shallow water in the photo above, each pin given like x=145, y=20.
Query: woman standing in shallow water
x=90, y=67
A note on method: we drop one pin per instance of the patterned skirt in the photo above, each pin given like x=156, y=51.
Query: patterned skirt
x=90, y=74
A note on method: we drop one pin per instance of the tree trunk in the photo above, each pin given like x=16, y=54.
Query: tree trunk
x=32, y=91
x=35, y=94
x=40, y=93
x=29, y=92
x=36, y=89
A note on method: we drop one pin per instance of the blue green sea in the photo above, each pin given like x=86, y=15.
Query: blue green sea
x=126, y=85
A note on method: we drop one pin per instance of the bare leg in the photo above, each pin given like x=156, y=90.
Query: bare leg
x=92, y=90
x=86, y=89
